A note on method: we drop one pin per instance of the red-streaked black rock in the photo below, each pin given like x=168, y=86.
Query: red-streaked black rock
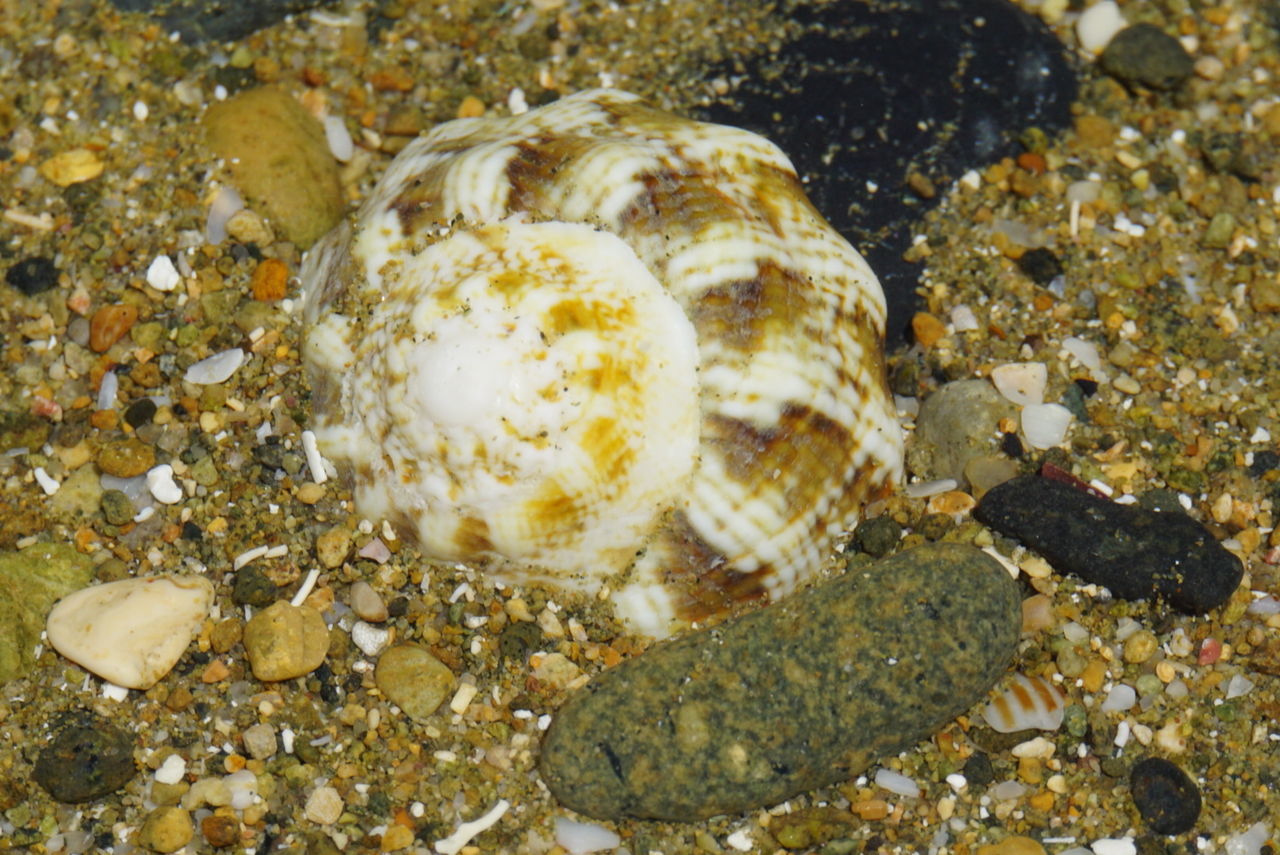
x=88, y=757
x=1166, y=797
x=32, y=275
x=798, y=695
x=1136, y=553
x=873, y=91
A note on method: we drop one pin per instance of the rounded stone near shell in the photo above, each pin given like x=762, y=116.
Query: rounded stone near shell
x=603, y=347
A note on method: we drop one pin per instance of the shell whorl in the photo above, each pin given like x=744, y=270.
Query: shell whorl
x=712, y=347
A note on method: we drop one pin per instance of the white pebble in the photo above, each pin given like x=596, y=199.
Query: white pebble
x=162, y=486
x=370, y=639
x=216, y=369
x=897, y=783
x=740, y=840
x=581, y=838
x=1121, y=697
x=162, y=275
x=1085, y=351
x=1021, y=383
x=1045, y=425
x=339, y=138
x=963, y=319
x=463, y=697
x=1098, y=25
x=1114, y=846
x=172, y=769
x=140, y=111
x=131, y=632
x=1008, y=790
x=1249, y=841
x=46, y=482
x=107, y=391
x=1238, y=686
x=1039, y=747
x=324, y=806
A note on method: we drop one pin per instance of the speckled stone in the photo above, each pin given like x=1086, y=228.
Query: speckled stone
x=31, y=581
x=285, y=641
x=795, y=696
x=956, y=424
x=166, y=829
x=1166, y=797
x=414, y=680
x=1134, y=552
x=87, y=758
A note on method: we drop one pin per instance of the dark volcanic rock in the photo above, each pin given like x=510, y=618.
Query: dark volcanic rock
x=1166, y=797
x=87, y=758
x=798, y=695
x=874, y=91
x=1135, y=552
x=32, y=275
x=217, y=20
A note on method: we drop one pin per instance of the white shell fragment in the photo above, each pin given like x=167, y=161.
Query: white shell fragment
x=1028, y=702
x=130, y=632
x=1021, y=383
x=1045, y=425
x=162, y=275
x=215, y=369
x=162, y=486
x=1098, y=24
x=600, y=344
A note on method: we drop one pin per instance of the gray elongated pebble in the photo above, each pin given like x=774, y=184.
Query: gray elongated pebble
x=798, y=695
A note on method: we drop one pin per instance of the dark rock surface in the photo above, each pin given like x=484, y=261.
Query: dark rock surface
x=1134, y=552
x=32, y=275
x=874, y=91
x=798, y=695
x=1145, y=54
x=217, y=20
x=87, y=758
x=1166, y=797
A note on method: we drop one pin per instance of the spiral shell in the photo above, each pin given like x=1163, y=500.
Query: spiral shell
x=601, y=346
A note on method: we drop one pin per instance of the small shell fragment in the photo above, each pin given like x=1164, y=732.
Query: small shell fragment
x=1029, y=702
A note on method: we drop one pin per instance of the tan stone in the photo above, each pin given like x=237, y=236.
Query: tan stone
x=413, y=680
x=284, y=641
x=1015, y=845
x=166, y=829
x=72, y=167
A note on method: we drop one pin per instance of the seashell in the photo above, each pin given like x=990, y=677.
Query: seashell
x=600, y=346
x=1028, y=702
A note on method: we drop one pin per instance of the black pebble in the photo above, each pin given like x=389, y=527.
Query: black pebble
x=1147, y=55
x=1166, y=797
x=191, y=531
x=140, y=412
x=1088, y=387
x=32, y=275
x=87, y=758
x=878, y=536
x=1263, y=462
x=1011, y=445
x=1135, y=552
x=1041, y=265
x=216, y=20
x=253, y=588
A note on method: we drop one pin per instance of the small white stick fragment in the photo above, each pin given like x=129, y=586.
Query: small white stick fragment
x=315, y=462
x=468, y=831
x=248, y=556
x=307, y=584
x=48, y=484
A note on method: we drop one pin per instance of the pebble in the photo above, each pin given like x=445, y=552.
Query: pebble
x=1045, y=425
x=732, y=718
x=1147, y=55
x=247, y=226
x=32, y=275
x=72, y=167
x=397, y=837
x=1021, y=383
x=324, y=806
x=87, y=758
x=162, y=486
x=280, y=160
x=133, y=631
x=109, y=324
x=260, y=741
x=956, y=424
x=270, y=280
x=117, y=508
x=215, y=369
x=125, y=458
x=220, y=831
x=1098, y=25
x=166, y=829
x=1134, y=552
x=366, y=602
x=162, y=275
x=140, y=413
x=31, y=580
x=285, y=641
x=414, y=680
x=369, y=638
x=333, y=547
x=1013, y=845
x=1166, y=797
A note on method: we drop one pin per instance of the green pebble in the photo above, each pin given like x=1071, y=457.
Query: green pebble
x=878, y=536
x=117, y=508
x=1076, y=720
x=1071, y=663
x=1218, y=234
x=31, y=581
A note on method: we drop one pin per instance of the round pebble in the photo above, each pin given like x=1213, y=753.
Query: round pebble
x=878, y=536
x=413, y=680
x=88, y=757
x=140, y=412
x=956, y=424
x=367, y=603
x=285, y=641
x=1147, y=55
x=324, y=806
x=220, y=831
x=333, y=547
x=1140, y=646
x=260, y=741
x=109, y=324
x=126, y=458
x=1166, y=797
x=32, y=275
x=166, y=829
x=117, y=508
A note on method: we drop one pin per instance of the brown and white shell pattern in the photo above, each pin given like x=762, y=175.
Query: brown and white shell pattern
x=608, y=348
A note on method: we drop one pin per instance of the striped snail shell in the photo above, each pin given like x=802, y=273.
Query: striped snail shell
x=601, y=346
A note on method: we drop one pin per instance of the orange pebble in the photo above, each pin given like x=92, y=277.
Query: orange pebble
x=1032, y=162
x=470, y=108
x=104, y=419
x=270, y=280
x=109, y=325
x=1043, y=302
x=927, y=329
x=215, y=672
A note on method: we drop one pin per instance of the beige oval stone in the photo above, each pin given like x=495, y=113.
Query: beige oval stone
x=284, y=641
x=280, y=160
x=72, y=167
x=413, y=680
x=131, y=632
